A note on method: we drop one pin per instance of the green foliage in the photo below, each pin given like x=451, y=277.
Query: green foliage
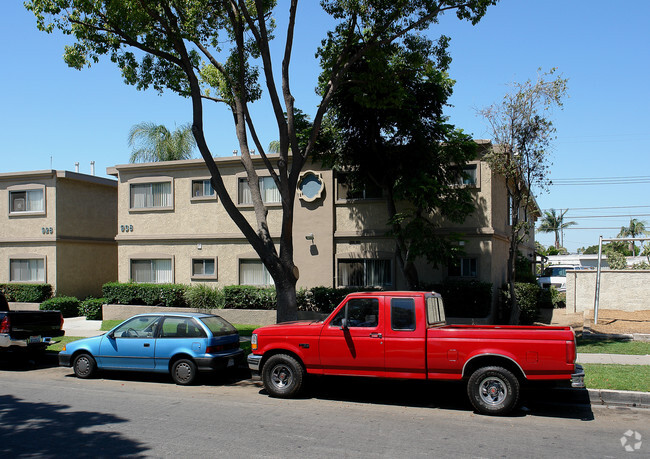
x=471, y=299
x=154, y=142
x=169, y=295
x=554, y=223
x=91, y=308
x=249, y=297
x=641, y=266
x=616, y=260
x=524, y=269
x=26, y=293
x=68, y=305
x=530, y=298
x=204, y=297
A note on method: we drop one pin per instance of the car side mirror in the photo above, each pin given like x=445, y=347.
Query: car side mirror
x=111, y=335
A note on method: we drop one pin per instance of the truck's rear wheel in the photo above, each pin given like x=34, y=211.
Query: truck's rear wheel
x=493, y=390
x=282, y=376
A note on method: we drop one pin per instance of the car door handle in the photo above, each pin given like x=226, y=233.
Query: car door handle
x=147, y=344
x=375, y=335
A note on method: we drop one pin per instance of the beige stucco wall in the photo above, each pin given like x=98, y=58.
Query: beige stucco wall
x=45, y=250
x=627, y=290
x=83, y=267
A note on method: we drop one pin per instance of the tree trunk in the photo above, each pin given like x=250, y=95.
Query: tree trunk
x=286, y=300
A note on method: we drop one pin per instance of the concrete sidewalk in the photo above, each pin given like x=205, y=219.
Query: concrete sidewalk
x=619, y=359
x=79, y=326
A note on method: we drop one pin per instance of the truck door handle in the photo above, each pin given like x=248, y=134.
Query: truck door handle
x=146, y=344
x=375, y=335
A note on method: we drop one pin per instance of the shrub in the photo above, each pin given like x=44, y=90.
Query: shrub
x=26, y=293
x=204, y=297
x=92, y=308
x=249, y=297
x=168, y=295
x=68, y=305
x=466, y=298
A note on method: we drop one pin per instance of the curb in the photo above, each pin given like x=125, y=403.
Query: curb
x=619, y=398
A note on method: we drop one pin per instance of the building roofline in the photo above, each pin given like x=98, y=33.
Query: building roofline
x=51, y=173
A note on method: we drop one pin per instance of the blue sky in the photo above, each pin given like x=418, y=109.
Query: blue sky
x=53, y=116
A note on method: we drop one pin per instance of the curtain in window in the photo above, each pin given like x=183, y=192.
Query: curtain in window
x=162, y=271
x=139, y=196
x=207, y=188
x=378, y=273
x=253, y=272
x=35, y=201
x=270, y=192
x=245, y=196
x=351, y=273
x=141, y=271
x=27, y=270
x=162, y=194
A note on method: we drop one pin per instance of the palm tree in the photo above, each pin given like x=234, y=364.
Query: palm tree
x=554, y=223
x=154, y=142
x=636, y=228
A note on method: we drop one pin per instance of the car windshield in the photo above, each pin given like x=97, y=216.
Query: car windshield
x=218, y=326
x=555, y=271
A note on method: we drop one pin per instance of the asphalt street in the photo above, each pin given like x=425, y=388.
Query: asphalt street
x=46, y=412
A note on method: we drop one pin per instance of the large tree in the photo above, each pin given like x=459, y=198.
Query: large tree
x=389, y=133
x=154, y=142
x=552, y=222
x=209, y=50
x=522, y=132
x=634, y=229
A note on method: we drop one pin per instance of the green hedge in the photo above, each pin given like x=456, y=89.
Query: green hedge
x=203, y=296
x=91, y=308
x=530, y=298
x=249, y=297
x=468, y=299
x=68, y=305
x=26, y=293
x=169, y=295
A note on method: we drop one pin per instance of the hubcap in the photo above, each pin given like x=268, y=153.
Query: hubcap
x=493, y=390
x=183, y=372
x=83, y=366
x=281, y=376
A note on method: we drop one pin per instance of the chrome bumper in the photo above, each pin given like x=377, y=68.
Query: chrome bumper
x=254, y=362
x=578, y=378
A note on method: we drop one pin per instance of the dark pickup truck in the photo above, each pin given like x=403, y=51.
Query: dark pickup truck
x=28, y=330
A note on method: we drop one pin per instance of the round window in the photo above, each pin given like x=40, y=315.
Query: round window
x=310, y=186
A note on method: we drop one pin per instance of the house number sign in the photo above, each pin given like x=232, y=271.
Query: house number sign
x=126, y=228
x=49, y=230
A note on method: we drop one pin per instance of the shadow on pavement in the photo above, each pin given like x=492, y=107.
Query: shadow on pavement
x=33, y=429
x=26, y=361
x=543, y=401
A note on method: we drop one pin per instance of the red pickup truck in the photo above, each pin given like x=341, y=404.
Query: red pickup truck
x=404, y=335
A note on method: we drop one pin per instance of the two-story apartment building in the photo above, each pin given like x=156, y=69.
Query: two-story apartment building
x=172, y=228
x=58, y=227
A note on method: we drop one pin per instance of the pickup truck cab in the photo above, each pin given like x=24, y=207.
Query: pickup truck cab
x=404, y=335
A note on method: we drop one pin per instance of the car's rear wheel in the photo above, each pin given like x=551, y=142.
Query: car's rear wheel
x=282, y=376
x=493, y=390
x=183, y=372
x=84, y=366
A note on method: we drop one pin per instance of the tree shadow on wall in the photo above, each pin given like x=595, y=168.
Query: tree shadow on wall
x=29, y=429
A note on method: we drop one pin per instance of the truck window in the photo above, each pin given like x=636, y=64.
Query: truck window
x=361, y=312
x=402, y=314
x=435, y=310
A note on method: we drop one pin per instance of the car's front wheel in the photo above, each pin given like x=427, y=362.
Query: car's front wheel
x=84, y=366
x=493, y=390
x=282, y=376
x=183, y=372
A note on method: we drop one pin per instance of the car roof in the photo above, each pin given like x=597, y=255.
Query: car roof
x=196, y=315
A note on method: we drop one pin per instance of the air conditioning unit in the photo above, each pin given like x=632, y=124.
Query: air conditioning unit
x=19, y=205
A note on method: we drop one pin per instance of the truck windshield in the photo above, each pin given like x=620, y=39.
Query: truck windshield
x=555, y=271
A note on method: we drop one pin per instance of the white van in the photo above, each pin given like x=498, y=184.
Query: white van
x=556, y=276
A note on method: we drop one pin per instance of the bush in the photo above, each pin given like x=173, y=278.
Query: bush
x=249, y=297
x=26, y=293
x=92, y=308
x=168, y=295
x=469, y=299
x=68, y=305
x=204, y=297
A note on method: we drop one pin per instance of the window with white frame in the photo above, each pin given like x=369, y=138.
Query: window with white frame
x=268, y=189
x=253, y=272
x=463, y=267
x=202, y=189
x=361, y=272
x=27, y=201
x=204, y=268
x=151, y=195
x=155, y=270
x=27, y=270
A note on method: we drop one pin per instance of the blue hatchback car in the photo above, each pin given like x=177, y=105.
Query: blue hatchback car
x=177, y=343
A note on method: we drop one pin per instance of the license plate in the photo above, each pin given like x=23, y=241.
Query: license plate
x=34, y=339
x=231, y=363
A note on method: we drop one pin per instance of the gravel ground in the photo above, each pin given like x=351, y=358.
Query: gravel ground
x=612, y=321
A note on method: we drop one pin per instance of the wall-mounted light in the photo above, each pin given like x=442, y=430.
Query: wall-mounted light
x=310, y=237
x=199, y=246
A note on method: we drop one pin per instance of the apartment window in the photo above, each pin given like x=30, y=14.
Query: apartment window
x=204, y=268
x=155, y=271
x=469, y=175
x=151, y=195
x=463, y=267
x=27, y=270
x=270, y=192
x=364, y=273
x=27, y=201
x=345, y=189
x=253, y=272
x=202, y=189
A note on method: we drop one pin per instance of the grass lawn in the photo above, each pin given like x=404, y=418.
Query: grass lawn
x=62, y=340
x=593, y=346
x=617, y=377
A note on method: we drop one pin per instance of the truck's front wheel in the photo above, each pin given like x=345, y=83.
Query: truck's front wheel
x=493, y=390
x=282, y=376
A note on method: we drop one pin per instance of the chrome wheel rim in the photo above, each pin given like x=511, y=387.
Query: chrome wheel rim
x=183, y=372
x=281, y=376
x=493, y=390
